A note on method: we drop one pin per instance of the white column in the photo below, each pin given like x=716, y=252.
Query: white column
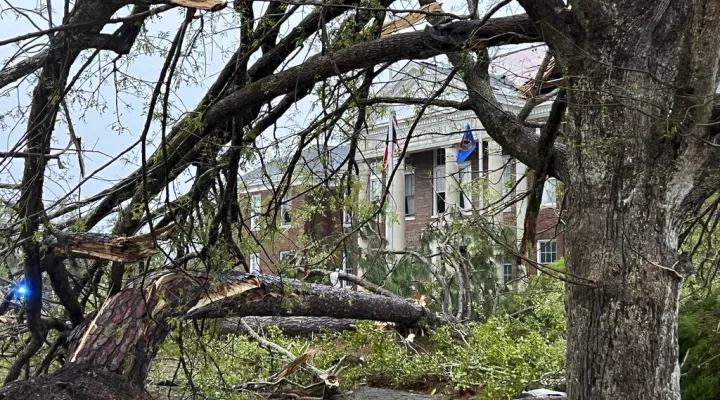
x=452, y=181
x=397, y=214
x=496, y=161
x=521, y=207
x=495, y=170
x=520, y=211
x=364, y=177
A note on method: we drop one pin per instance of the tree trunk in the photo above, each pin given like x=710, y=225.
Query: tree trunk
x=622, y=246
x=628, y=194
x=79, y=382
x=289, y=326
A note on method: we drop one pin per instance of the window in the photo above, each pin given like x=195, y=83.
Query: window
x=288, y=257
x=465, y=170
x=440, y=157
x=285, y=209
x=375, y=188
x=255, y=212
x=347, y=217
x=546, y=251
x=348, y=269
x=507, y=273
x=439, y=185
x=506, y=180
x=255, y=263
x=410, y=194
x=549, y=193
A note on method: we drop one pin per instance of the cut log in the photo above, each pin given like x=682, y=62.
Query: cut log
x=289, y=326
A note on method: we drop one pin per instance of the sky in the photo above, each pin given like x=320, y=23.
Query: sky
x=108, y=110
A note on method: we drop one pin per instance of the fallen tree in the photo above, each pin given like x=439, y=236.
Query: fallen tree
x=289, y=326
x=124, y=335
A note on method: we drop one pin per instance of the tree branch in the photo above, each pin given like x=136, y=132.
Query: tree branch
x=289, y=326
x=516, y=139
x=354, y=279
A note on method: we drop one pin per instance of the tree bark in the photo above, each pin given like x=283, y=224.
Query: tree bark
x=79, y=382
x=289, y=326
x=626, y=208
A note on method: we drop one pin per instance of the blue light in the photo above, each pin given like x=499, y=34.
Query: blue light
x=21, y=290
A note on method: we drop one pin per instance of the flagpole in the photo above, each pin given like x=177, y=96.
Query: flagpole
x=388, y=174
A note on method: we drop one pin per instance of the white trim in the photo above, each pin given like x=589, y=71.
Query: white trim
x=414, y=190
x=465, y=178
x=256, y=205
x=347, y=218
x=540, y=245
x=284, y=254
x=551, y=192
x=263, y=185
x=255, y=266
x=433, y=130
x=505, y=265
x=435, y=179
x=286, y=207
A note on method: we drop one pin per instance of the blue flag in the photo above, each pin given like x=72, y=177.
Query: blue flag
x=467, y=145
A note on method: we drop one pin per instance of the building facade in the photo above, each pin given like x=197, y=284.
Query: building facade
x=427, y=180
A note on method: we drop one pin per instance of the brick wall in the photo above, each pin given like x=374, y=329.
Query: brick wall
x=325, y=224
x=322, y=226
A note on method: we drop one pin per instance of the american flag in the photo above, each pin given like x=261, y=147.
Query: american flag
x=391, y=143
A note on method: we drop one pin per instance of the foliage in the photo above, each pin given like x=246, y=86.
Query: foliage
x=497, y=359
x=445, y=245
x=699, y=341
x=544, y=300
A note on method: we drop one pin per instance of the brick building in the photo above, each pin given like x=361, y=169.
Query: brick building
x=428, y=180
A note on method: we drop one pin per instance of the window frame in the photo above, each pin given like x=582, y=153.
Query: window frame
x=255, y=209
x=255, y=264
x=286, y=208
x=507, y=276
x=345, y=269
x=551, y=193
x=375, y=188
x=541, y=249
x=347, y=218
x=410, y=174
x=283, y=255
x=439, y=174
x=506, y=178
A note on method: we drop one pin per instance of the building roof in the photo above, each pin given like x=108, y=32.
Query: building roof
x=314, y=160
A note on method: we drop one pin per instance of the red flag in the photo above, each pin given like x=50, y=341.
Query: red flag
x=391, y=142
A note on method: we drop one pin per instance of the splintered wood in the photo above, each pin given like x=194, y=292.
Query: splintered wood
x=107, y=247
x=224, y=291
x=410, y=19
x=209, y=5
x=120, y=249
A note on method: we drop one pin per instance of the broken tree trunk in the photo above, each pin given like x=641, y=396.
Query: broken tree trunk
x=124, y=249
x=124, y=335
